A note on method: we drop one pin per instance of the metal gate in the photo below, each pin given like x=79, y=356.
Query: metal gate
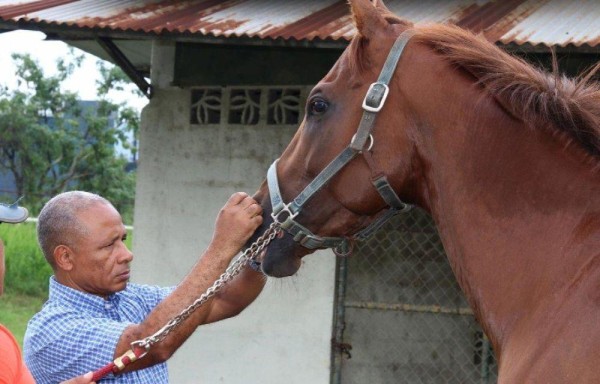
x=400, y=315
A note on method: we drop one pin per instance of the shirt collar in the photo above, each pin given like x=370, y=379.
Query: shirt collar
x=79, y=299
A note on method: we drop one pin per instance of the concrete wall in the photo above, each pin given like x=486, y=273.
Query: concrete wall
x=186, y=173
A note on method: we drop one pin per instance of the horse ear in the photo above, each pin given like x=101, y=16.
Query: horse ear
x=367, y=18
x=379, y=4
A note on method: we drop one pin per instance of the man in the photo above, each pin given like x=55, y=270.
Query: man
x=93, y=314
x=12, y=368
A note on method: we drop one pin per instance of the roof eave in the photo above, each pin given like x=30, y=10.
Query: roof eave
x=73, y=32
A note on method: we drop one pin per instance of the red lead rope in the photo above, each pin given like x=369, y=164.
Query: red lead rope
x=119, y=363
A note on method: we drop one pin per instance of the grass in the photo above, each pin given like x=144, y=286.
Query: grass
x=26, y=279
x=16, y=310
x=27, y=271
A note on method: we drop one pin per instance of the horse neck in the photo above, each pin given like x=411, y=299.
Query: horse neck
x=515, y=208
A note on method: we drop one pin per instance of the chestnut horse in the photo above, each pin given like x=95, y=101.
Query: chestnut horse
x=503, y=156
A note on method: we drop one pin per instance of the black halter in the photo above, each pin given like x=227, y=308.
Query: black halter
x=284, y=214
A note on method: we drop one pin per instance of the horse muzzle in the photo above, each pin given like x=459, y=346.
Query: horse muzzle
x=282, y=257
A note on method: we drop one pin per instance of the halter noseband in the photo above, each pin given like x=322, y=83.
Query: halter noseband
x=283, y=214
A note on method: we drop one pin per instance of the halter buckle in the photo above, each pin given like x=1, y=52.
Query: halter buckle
x=374, y=95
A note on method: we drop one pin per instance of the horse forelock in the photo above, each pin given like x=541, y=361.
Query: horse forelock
x=539, y=98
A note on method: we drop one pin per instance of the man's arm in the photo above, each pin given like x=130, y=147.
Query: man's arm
x=236, y=222
x=236, y=295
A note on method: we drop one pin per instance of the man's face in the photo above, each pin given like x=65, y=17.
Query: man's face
x=100, y=257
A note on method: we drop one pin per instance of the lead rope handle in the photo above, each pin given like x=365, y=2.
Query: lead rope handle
x=140, y=348
x=118, y=364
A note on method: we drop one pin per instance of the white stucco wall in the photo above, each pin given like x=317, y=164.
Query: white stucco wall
x=186, y=173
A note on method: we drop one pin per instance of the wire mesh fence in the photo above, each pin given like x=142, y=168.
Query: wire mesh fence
x=401, y=317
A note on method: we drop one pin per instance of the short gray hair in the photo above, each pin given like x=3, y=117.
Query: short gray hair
x=58, y=223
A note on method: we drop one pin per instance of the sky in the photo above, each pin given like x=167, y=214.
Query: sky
x=46, y=53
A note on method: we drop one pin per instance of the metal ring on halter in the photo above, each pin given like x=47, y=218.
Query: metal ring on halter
x=370, y=143
x=339, y=250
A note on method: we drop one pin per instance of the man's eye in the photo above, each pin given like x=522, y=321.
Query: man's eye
x=318, y=106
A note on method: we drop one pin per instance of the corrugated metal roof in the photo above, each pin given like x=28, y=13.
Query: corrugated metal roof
x=560, y=22
x=546, y=22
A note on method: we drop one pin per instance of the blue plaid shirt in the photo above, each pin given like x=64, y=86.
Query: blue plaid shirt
x=76, y=332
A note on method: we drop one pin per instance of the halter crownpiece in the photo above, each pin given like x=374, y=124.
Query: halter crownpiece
x=284, y=214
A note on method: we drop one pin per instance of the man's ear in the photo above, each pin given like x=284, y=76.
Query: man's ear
x=63, y=257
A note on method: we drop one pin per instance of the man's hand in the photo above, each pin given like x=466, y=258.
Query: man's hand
x=83, y=379
x=236, y=222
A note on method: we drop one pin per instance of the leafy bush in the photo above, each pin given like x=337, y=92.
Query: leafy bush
x=27, y=271
x=64, y=143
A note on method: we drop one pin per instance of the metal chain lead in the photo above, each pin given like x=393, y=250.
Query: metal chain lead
x=236, y=267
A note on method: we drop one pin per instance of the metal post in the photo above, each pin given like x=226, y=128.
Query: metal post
x=336, y=377
x=485, y=356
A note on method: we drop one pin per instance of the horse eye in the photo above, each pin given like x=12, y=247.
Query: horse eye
x=318, y=106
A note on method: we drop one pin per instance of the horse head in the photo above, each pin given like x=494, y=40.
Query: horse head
x=366, y=169
x=504, y=157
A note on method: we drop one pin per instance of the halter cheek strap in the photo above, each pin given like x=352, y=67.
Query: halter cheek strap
x=284, y=214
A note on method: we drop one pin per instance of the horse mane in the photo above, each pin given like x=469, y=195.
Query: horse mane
x=572, y=106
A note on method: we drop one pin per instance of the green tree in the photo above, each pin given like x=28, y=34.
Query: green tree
x=50, y=143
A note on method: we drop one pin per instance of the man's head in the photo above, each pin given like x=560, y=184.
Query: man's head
x=82, y=236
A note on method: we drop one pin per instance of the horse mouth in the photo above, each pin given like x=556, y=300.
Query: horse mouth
x=280, y=258
x=275, y=267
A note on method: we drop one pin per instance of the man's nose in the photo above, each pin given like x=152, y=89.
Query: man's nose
x=126, y=255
